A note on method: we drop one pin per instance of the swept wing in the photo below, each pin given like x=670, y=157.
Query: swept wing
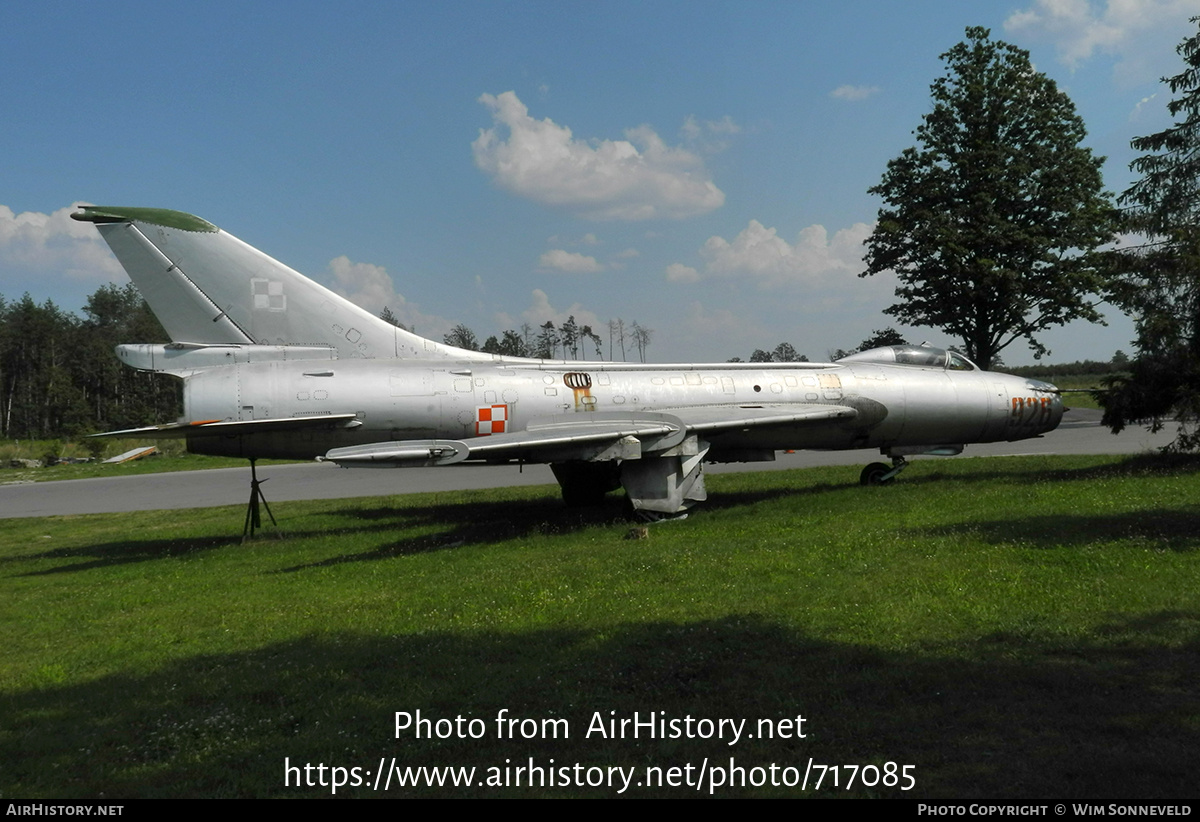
x=589, y=436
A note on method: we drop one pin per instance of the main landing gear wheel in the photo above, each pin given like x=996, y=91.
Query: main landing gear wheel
x=880, y=473
x=584, y=484
x=876, y=474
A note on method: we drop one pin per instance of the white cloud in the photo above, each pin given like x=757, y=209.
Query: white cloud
x=541, y=310
x=723, y=126
x=853, y=93
x=1136, y=114
x=759, y=254
x=629, y=254
x=369, y=286
x=569, y=261
x=56, y=243
x=711, y=136
x=638, y=178
x=1141, y=34
x=680, y=273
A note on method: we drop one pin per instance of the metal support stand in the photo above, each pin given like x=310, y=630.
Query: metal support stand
x=253, y=521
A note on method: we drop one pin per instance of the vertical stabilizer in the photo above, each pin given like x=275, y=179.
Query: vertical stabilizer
x=207, y=286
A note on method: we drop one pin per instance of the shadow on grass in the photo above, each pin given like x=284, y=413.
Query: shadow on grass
x=455, y=524
x=487, y=523
x=1018, y=470
x=1164, y=529
x=472, y=520
x=438, y=526
x=1008, y=717
x=121, y=552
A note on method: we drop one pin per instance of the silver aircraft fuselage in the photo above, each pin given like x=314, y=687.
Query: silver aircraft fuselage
x=276, y=365
x=900, y=406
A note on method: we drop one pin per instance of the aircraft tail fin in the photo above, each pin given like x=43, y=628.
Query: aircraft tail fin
x=207, y=286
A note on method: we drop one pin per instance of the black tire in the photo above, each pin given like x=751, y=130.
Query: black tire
x=584, y=484
x=873, y=474
x=582, y=496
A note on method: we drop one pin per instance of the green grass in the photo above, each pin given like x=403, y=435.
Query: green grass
x=1020, y=627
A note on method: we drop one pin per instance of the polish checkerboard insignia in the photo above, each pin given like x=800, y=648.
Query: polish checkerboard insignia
x=268, y=294
x=491, y=419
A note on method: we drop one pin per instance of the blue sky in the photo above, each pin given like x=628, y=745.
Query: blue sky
x=700, y=167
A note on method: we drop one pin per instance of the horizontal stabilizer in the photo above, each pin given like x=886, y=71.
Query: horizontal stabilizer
x=182, y=358
x=214, y=428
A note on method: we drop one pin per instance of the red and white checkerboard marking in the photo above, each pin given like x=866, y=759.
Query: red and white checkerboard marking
x=491, y=419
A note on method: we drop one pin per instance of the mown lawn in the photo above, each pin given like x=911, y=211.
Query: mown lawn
x=1009, y=627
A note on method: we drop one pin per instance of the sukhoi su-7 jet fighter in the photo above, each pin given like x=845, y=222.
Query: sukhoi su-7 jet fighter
x=275, y=365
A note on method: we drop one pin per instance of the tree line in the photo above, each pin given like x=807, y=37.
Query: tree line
x=786, y=352
x=58, y=374
x=60, y=378
x=569, y=340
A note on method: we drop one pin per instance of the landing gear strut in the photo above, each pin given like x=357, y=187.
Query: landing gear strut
x=253, y=521
x=880, y=473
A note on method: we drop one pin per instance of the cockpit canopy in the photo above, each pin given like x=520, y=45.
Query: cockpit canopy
x=920, y=355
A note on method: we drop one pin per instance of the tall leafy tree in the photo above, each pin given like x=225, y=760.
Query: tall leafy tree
x=585, y=334
x=462, y=336
x=38, y=397
x=879, y=339
x=993, y=220
x=118, y=396
x=59, y=376
x=786, y=352
x=568, y=337
x=547, y=341
x=641, y=338
x=1158, y=279
x=388, y=316
x=513, y=344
